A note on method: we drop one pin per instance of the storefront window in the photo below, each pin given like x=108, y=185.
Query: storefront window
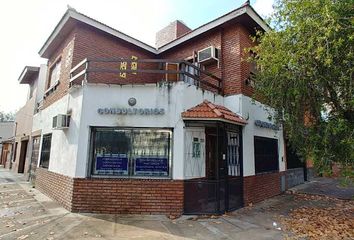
x=131, y=152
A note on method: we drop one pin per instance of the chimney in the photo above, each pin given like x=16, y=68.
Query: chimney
x=171, y=32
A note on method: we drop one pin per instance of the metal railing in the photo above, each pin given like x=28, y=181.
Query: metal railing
x=178, y=70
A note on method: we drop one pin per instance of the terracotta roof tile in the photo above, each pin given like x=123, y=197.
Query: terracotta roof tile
x=208, y=110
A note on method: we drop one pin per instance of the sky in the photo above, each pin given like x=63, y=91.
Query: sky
x=26, y=24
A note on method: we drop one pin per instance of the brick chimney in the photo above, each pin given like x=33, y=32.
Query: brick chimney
x=171, y=32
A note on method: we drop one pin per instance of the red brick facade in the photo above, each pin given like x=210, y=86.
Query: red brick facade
x=64, y=55
x=56, y=186
x=84, y=41
x=130, y=196
x=233, y=67
x=260, y=187
x=134, y=196
x=92, y=43
x=137, y=196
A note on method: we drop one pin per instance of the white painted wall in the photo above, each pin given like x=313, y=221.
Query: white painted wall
x=194, y=167
x=175, y=99
x=64, y=146
x=70, y=148
x=253, y=110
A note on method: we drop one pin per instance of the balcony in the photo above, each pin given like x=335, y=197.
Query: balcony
x=122, y=71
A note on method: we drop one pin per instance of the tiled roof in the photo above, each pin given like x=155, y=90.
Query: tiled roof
x=209, y=111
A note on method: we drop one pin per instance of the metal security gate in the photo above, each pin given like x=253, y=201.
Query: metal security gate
x=34, y=158
x=221, y=189
x=234, y=178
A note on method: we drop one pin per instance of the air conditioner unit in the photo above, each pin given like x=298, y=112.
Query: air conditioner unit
x=208, y=55
x=61, y=121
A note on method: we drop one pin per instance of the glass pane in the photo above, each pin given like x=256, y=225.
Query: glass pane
x=131, y=152
x=266, y=154
x=111, y=152
x=151, y=152
x=45, y=152
x=233, y=158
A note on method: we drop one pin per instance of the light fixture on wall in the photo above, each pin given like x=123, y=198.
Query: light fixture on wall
x=132, y=101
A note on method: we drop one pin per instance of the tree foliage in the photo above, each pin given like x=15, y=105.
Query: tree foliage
x=306, y=73
x=6, y=116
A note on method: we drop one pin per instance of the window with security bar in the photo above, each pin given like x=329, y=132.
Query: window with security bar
x=233, y=155
x=131, y=152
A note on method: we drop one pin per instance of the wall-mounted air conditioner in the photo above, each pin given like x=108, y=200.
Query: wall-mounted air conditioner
x=208, y=55
x=61, y=121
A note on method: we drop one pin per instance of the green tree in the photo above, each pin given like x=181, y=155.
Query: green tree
x=6, y=116
x=306, y=73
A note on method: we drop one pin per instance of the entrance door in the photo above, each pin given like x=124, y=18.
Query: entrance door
x=34, y=158
x=223, y=156
x=234, y=177
x=221, y=188
x=4, y=154
x=22, y=160
x=211, y=151
x=216, y=167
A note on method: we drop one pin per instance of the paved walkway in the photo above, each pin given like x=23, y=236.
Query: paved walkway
x=327, y=187
x=25, y=213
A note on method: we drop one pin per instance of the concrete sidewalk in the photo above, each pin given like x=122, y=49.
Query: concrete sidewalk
x=330, y=187
x=25, y=213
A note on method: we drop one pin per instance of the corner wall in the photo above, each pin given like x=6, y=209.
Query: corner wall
x=55, y=186
x=260, y=187
x=109, y=195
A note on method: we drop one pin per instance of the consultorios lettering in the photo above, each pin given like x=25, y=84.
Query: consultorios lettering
x=262, y=124
x=131, y=111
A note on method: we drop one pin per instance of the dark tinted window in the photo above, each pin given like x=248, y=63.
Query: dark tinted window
x=266, y=154
x=131, y=152
x=45, y=152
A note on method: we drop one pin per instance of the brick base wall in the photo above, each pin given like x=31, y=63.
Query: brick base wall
x=134, y=196
x=260, y=187
x=137, y=196
x=128, y=196
x=55, y=186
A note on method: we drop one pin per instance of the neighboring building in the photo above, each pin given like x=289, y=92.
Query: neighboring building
x=6, y=134
x=128, y=128
x=34, y=77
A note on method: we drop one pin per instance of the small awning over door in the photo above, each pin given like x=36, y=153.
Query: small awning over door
x=207, y=111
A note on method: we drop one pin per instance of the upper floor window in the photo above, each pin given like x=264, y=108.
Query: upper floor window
x=54, y=74
x=253, y=70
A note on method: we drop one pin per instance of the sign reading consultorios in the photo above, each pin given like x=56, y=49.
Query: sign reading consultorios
x=262, y=124
x=132, y=111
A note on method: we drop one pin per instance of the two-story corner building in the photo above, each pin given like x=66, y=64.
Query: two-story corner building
x=130, y=128
x=23, y=141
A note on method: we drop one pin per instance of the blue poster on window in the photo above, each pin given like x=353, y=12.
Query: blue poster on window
x=117, y=163
x=157, y=166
